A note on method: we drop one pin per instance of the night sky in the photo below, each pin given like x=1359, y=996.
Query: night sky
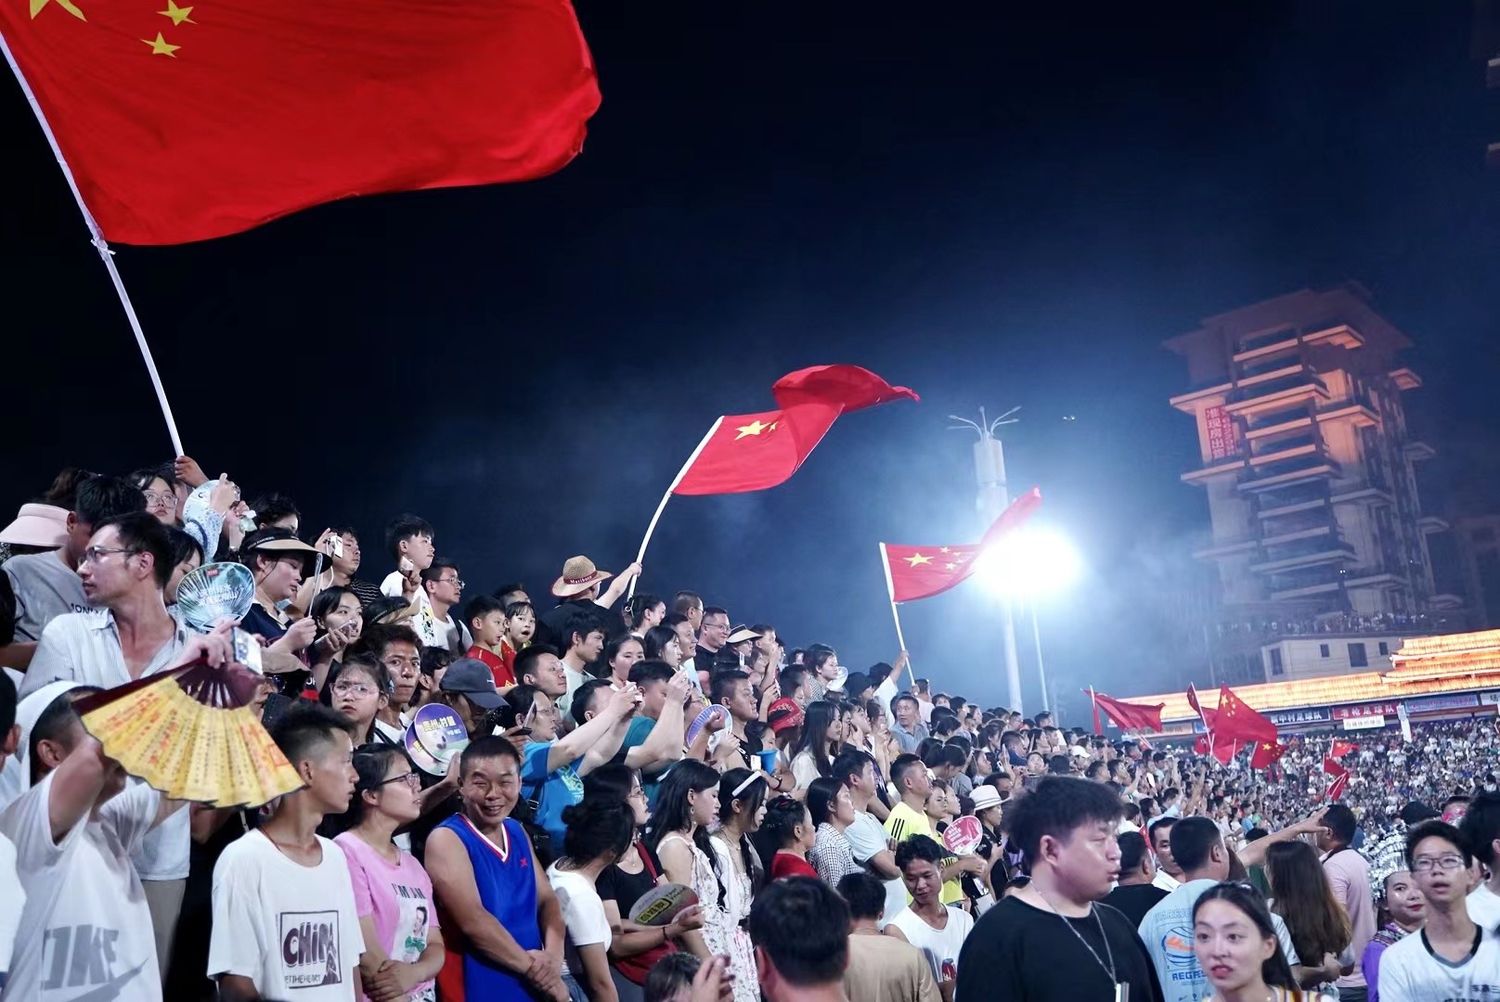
x=994, y=208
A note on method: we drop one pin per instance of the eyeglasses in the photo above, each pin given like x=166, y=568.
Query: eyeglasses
x=1423, y=864
x=411, y=779
x=353, y=689
x=456, y=582
x=95, y=554
x=165, y=497
x=637, y=794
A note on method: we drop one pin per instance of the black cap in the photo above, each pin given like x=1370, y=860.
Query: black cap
x=472, y=677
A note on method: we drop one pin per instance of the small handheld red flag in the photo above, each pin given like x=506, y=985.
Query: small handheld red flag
x=1267, y=753
x=1341, y=748
x=206, y=119
x=924, y=571
x=1129, y=716
x=1340, y=779
x=750, y=452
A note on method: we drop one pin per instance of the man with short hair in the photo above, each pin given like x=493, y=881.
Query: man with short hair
x=1349, y=875
x=663, y=707
x=552, y=767
x=909, y=818
x=342, y=564
x=800, y=929
x=1451, y=958
x=81, y=921
x=540, y=666
x=46, y=585
x=908, y=730
x=409, y=538
x=689, y=605
x=713, y=652
x=1135, y=895
x=503, y=926
x=880, y=968
x=1198, y=847
x=399, y=650
x=732, y=746
x=1481, y=830
x=444, y=590
x=936, y=929
x=585, y=642
x=284, y=920
x=1051, y=941
x=128, y=634
x=793, y=684
x=867, y=838
x=1168, y=873
x=582, y=602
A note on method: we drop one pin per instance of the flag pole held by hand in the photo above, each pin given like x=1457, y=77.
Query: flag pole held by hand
x=640, y=556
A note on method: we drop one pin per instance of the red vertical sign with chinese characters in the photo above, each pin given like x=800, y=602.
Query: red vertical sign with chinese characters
x=1223, y=436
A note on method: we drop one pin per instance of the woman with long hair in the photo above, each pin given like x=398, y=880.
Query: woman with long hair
x=1237, y=948
x=821, y=741
x=660, y=644
x=621, y=654
x=687, y=802
x=392, y=893
x=339, y=619
x=644, y=613
x=634, y=948
x=786, y=834
x=599, y=831
x=742, y=797
x=1303, y=898
x=832, y=812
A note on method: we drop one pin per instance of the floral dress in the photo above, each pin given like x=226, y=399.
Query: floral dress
x=728, y=935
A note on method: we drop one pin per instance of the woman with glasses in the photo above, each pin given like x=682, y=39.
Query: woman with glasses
x=634, y=948
x=1236, y=946
x=392, y=893
x=159, y=486
x=1302, y=896
x=358, y=688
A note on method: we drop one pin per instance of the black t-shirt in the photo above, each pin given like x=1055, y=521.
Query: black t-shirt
x=625, y=889
x=1135, y=900
x=1019, y=953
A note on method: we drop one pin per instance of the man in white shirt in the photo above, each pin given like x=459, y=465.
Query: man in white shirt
x=936, y=929
x=85, y=930
x=127, y=634
x=867, y=838
x=285, y=923
x=1168, y=873
x=1481, y=829
x=409, y=539
x=435, y=622
x=1450, y=957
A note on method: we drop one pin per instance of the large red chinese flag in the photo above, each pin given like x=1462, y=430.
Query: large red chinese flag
x=1128, y=716
x=750, y=452
x=188, y=122
x=1267, y=753
x=1234, y=718
x=923, y=571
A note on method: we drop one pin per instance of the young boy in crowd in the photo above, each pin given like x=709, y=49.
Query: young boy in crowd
x=487, y=622
x=409, y=538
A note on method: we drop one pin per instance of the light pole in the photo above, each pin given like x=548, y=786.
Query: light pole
x=993, y=498
x=1027, y=565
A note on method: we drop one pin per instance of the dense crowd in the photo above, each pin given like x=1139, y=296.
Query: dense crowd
x=658, y=803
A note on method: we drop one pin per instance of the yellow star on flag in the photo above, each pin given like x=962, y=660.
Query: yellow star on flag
x=161, y=47
x=917, y=558
x=951, y=567
x=754, y=428
x=67, y=5
x=943, y=550
x=177, y=14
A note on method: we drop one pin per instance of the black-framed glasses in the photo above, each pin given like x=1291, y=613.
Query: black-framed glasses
x=411, y=779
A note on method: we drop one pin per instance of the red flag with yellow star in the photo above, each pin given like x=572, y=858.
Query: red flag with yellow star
x=1267, y=753
x=750, y=452
x=186, y=122
x=915, y=572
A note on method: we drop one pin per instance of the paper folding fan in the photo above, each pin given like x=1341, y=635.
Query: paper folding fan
x=192, y=734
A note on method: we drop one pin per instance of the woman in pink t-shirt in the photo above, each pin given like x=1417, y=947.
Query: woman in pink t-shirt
x=392, y=893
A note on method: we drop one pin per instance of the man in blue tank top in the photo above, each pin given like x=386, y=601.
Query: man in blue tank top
x=501, y=921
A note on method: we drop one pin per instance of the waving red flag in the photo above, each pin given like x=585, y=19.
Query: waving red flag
x=201, y=120
x=1340, y=779
x=923, y=571
x=1267, y=754
x=1341, y=748
x=1234, y=718
x=1129, y=716
x=750, y=452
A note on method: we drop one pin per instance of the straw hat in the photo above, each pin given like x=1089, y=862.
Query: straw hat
x=578, y=575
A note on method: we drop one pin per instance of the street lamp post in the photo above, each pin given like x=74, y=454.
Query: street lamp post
x=993, y=498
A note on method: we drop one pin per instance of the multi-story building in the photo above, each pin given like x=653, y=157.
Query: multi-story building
x=1318, y=533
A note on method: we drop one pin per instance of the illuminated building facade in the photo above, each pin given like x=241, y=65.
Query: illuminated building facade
x=1318, y=533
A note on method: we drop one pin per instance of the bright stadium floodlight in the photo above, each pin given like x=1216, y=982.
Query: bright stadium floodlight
x=1030, y=563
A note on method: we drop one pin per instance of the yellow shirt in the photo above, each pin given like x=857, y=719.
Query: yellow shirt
x=902, y=825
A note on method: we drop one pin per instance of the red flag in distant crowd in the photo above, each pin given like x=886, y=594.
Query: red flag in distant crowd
x=750, y=452
x=923, y=571
x=1234, y=718
x=1267, y=754
x=1341, y=748
x=1129, y=716
x=201, y=120
x=1340, y=779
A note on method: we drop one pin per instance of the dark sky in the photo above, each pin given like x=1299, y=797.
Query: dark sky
x=993, y=207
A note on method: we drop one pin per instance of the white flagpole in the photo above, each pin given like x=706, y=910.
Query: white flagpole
x=656, y=517
x=890, y=590
x=101, y=245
